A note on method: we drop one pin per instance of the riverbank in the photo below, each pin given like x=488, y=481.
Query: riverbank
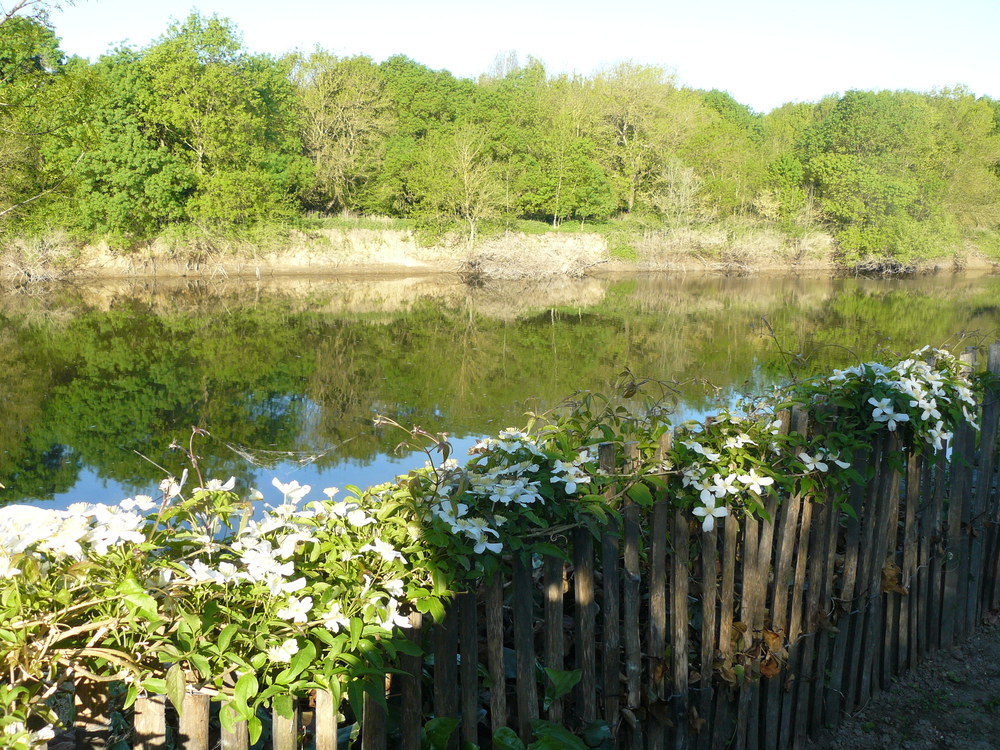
x=513, y=255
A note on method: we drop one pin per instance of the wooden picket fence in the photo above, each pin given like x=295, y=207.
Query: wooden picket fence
x=750, y=636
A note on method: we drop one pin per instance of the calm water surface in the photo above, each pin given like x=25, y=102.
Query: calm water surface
x=287, y=375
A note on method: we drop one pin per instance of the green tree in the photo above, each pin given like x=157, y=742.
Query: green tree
x=231, y=115
x=871, y=163
x=346, y=119
x=458, y=178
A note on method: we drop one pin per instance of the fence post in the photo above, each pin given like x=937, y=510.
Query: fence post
x=150, y=722
x=326, y=721
x=611, y=597
x=284, y=731
x=91, y=704
x=194, y=722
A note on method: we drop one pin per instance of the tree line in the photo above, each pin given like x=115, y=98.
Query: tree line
x=194, y=131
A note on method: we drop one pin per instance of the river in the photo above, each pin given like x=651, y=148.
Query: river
x=286, y=375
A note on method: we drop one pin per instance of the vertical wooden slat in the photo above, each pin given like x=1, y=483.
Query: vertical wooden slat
x=373, y=719
x=967, y=578
x=858, y=661
x=709, y=574
x=238, y=738
x=788, y=520
x=610, y=620
x=921, y=587
x=808, y=677
x=935, y=587
x=150, y=722
x=630, y=611
x=524, y=646
x=956, y=550
x=193, y=722
x=411, y=687
x=658, y=622
x=90, y=701
x=791, y=697
x=985, y=461
x=842, y=658
x=890, y=600
x=887, y=485
x=906, y=656
x=469, y=668
x=326, y=720
x=444, y=636
x=284, y=731
x=494, y=653
x=824, y=639
x=990, y=427
x=721, y=729
x=758, y=611
x=750, y=553
x=583, y=589
x=679, y=627
x=554, y=571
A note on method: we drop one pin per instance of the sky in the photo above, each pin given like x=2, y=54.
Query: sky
x=763, y=52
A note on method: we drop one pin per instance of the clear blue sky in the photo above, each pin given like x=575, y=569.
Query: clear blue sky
x=764, y=52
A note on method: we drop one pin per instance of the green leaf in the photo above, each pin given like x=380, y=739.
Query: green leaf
x=155, y=685
x=246, y=690
x=437, y=732
x=506, y=738
x=560, y=684
x=299, y=662
x=640, y=495
x=254, y=728
x=226, y=636
x=554, y=737
x=176, y=687
x=202, y=664
x=283, y=705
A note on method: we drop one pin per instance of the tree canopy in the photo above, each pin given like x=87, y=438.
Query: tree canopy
x=195, y=130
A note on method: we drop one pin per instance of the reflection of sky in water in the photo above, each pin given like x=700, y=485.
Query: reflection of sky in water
x=383, y=467
x=91, y=488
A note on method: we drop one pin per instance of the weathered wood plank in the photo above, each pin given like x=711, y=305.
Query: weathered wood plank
x=809, y=679
x=469, y=667
x=326, y=720
x=679, y=627
x=986, y=463
x=236, y=739
x=788, y=521
x=658, y=623
x=844, y=604
x=935, y=588
x=990, y=458
x=150, y=722
x=411, y=687
x=630, y=618
x=790, y=699
x=585, y=616
x=193, y=722
x=554, y=571
x=444, y=638
x=494, y=653
x=284, y=730
x=750, y=554
x=373, y=725
x=906, y=655
x=722, y=728
x=891, y=570
x=524, y=646
x=709, y=589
